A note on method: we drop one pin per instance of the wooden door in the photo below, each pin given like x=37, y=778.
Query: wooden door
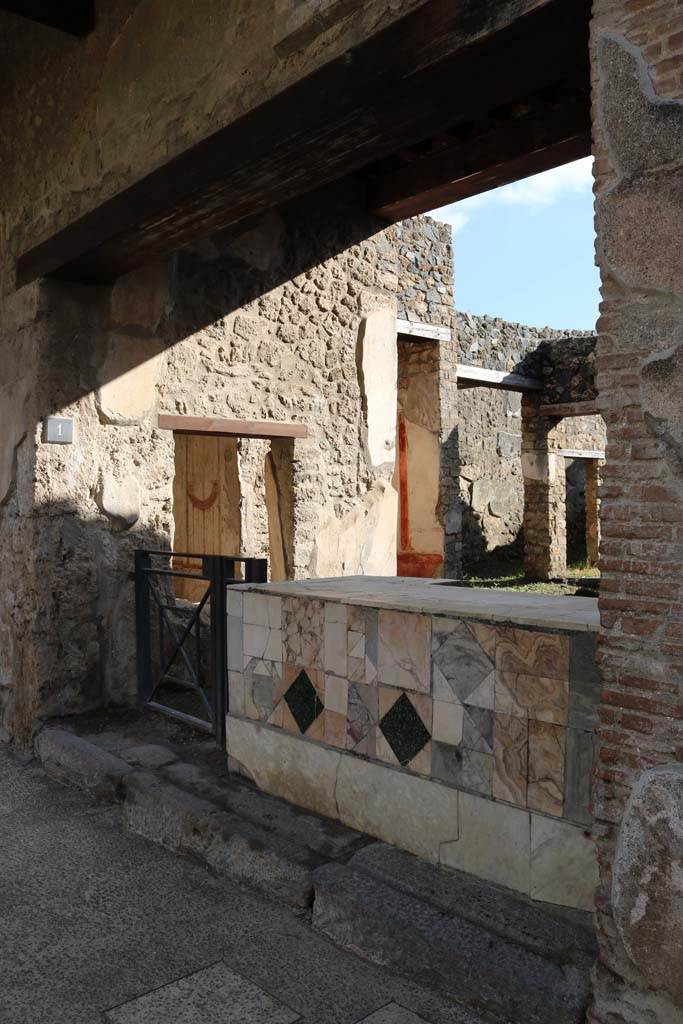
x=206, y=502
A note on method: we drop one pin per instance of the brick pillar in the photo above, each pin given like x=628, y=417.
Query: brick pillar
x=545, y=526
x=592, y=511
x=636, y=51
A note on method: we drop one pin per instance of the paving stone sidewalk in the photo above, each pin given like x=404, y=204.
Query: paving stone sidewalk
x=98, y=925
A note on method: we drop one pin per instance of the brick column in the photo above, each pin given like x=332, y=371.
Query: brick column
x=592, y=511
x=636, y=51
x=545, y=527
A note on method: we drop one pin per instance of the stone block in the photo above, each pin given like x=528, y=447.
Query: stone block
x=578, y=775
x=564, y=868
x=415, y=814
x=647, y=878
x=493, y=842
x=120, y=500
x=301, y=772
x=128, y=377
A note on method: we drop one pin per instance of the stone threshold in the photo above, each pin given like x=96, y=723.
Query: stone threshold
x=438, y=597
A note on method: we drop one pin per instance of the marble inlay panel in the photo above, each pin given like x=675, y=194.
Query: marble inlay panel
x=362, y=719
x=404, y=650
x=262, y=680
x=545, y=790
x=477, y=730
x=405, y=724
x=303, y=627
x=300, y=705
x=510, y=758
x=528, y=696
x=335, y=644
x=334, y=728
x=461, y=669
x=466, y=769
x=525, y=652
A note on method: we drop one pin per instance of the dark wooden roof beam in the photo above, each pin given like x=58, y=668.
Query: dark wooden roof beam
x=76, y=17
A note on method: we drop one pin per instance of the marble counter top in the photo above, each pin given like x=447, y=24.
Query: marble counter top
x=432, y=597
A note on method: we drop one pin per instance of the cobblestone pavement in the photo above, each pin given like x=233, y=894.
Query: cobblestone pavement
x=98, y=925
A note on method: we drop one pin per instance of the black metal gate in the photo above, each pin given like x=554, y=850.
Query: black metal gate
x=181, y=645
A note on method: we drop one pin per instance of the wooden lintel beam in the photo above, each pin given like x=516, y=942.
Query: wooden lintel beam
x=430, y=332
x=580, y=453
x=75, y=17
x=426, y=71
x=515, y=150
x=562, y=409
x=233, y=428
x=478, y=376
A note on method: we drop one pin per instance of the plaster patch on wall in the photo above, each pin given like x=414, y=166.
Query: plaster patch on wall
x=127, y=391
x=378, y=365
x=361, y=542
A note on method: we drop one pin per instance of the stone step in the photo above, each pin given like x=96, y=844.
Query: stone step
x=489, y=949
x=242, y=834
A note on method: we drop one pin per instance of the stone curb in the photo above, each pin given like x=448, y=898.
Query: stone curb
x=483, y=970
x=70, y=758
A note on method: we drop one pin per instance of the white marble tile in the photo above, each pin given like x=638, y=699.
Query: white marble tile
x=335, y=645
x=262, y=642
x=263, y=610
x=413, y=813
x=235, y=646
x=563, y=863
x=447, y=722
x=336, y=694
x=235, y=693
x=494, y=842
x=235, y=602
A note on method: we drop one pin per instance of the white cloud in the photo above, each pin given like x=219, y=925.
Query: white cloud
x=540, y=190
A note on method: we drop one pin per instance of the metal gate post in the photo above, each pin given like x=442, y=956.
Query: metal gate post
x=219, y=571
x=143, y=631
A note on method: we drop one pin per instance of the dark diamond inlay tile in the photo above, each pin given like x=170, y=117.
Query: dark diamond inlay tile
x=404, y=730
x=303, y=701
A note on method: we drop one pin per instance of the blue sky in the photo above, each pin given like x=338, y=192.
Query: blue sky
x=524, y=252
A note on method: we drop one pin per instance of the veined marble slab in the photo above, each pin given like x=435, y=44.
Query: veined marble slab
x=432, y=597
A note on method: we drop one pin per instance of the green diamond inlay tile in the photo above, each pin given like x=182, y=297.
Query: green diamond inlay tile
x=404, y=730
x=303, y=701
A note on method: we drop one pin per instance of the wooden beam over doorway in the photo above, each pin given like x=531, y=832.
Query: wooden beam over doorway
x=444, y=65
x=233, y=428
x=431, y=332
x=562, y=409
x=477, y=376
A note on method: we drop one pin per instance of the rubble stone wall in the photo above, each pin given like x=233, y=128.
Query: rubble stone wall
x=490, y=435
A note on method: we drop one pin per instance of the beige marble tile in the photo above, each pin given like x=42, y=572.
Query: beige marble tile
x=563, y=863
x=527, y=696
x=510, y=758
x=494, y=842
x=404, y=650
x=334, y=730
x=531, y=653
x=545, y=791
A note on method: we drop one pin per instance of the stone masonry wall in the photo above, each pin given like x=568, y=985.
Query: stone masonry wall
x=295, y=320
x=490, y=437
x=636, y=55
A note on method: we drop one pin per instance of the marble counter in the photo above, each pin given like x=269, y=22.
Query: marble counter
x=438, y=597
x=452, y=722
